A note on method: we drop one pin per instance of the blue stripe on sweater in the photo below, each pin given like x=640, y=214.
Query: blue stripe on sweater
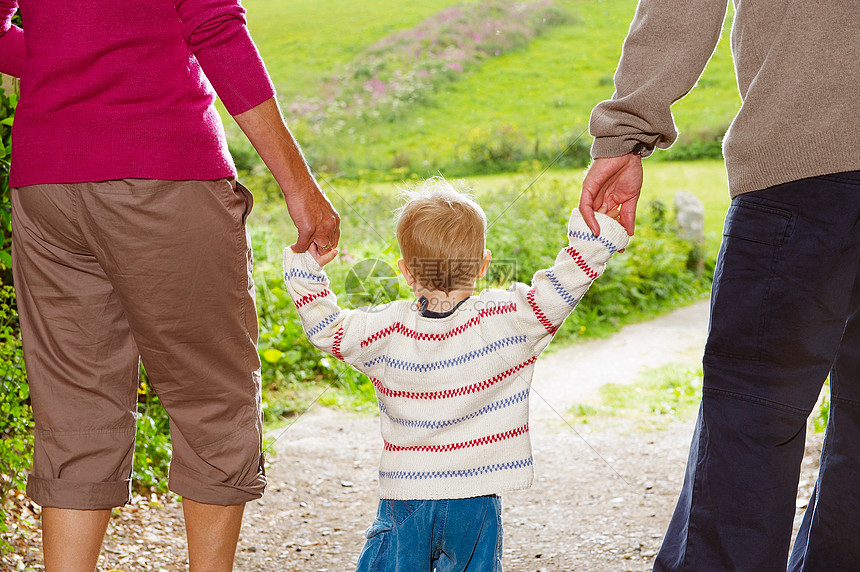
x=422, y=424
x=477, y=471
x=319, y=327
x=588, y=237
x=467, y=357
x=294, y=272
x=562, y=291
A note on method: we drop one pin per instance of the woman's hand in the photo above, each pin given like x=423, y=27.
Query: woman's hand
x=313, y=214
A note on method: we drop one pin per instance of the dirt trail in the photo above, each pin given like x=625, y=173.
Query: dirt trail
x=602, y=497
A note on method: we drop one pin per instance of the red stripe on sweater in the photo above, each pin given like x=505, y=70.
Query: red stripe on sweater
x=449, y=393
x=311, y=297
x=545, y=322
x=335, y=346
x=489, y=439
x=580, y=261
x=399, y=328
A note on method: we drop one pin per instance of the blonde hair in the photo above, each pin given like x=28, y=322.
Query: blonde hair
x=442, y=234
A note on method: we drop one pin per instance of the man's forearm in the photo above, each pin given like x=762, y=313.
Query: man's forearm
x=666, y=50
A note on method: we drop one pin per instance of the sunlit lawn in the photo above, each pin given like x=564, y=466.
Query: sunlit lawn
x=368, y=217
x=545, y=91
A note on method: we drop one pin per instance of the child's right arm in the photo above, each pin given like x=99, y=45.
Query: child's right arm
x=323, y=320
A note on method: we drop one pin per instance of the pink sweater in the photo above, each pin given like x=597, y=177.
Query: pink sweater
x=114, y=90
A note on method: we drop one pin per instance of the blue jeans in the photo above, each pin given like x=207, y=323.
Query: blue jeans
x=785, y=313
x=453, y=535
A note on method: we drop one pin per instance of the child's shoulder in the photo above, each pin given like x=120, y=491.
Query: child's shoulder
x=496, y=298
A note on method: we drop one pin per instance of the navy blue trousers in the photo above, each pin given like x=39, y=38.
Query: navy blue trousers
x=785, y=313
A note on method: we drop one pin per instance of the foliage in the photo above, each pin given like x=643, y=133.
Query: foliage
x=152, y=448
x=294, y=372
x=705, y=143
x=821, y=413
x=16, y=420
x=655, y=274
x=8, y=103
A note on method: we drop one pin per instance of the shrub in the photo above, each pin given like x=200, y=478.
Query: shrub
x=16, y=419
x=496, y=149
x=294, y=372
x=152, y=448
x=696, y=145
x=653, y=276
x=8, y=103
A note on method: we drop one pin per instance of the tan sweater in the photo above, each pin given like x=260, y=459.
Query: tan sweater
x=798, y=72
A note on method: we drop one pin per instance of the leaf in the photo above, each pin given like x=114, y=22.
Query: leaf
x=272, y=355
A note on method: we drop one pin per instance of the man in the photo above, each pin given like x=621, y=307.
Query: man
x=786, y=293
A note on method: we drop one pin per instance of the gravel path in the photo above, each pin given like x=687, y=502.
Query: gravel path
x=602, y=497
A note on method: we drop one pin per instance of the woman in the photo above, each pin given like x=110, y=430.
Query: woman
x=129, y=243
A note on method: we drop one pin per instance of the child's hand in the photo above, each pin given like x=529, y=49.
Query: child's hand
x=614, y=214
x=322, y=255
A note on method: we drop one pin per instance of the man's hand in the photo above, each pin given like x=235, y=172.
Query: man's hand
x=612, y=183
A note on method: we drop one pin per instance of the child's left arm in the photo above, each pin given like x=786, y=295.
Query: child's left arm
x=556, y=291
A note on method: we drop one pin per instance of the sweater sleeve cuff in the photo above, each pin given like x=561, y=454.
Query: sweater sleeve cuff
x=617, y=146
x=12, y=52
x=236, y=71
x=612, y=234
x=302, y=261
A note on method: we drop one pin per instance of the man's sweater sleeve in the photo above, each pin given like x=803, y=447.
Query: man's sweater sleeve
x=666, y=50
x=555, y=292
x=217, y=34
x=324, y=322
x=11, y=40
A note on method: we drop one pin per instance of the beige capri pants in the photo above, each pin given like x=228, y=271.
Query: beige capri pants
x=112, y=273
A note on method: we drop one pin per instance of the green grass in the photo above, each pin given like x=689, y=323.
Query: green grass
x=705, y=179
x=366, y=208
x=545, y=91
x=303, y=41
x=659, y=396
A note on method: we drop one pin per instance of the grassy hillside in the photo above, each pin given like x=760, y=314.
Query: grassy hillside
x=303, y=41
x=535, y=99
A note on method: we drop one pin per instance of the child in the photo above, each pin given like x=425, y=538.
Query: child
x=452, y=373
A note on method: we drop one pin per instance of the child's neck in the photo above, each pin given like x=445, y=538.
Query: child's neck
x=441, y=302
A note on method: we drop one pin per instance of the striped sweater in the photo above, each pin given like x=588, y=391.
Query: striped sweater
x=454, y=392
